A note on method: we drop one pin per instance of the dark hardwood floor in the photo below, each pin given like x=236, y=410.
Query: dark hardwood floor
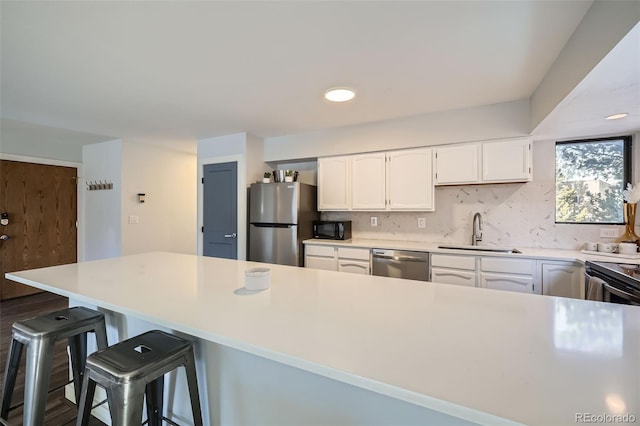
x=60, y=411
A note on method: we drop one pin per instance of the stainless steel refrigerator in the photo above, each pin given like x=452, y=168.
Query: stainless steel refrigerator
x=281, y=216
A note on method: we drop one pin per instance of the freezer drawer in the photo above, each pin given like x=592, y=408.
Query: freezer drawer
x=274, y=244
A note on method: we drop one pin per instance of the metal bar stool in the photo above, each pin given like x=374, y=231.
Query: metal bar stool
x=39, y=335
x=134, y=367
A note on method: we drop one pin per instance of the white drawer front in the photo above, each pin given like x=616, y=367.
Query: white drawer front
x=317, y=250
x=506, y=282
x=353, y=253
x=507, y=266
x=457, y=262
x=448, y=276
x=326, y=263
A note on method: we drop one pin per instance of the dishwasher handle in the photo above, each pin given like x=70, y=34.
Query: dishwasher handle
x=400, y=258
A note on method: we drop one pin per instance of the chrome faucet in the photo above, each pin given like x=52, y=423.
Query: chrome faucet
x=477, y=229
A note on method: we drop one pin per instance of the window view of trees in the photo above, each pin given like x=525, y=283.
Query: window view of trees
x=590, y=177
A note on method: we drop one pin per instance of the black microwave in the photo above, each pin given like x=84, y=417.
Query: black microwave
x=332, y=230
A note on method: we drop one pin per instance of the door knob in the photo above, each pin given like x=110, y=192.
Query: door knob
x=230, y=235
x=4, y=237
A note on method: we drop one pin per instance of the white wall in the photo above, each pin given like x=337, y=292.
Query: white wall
x=100, y=219
x=499, y=121
x=522, y=215
x=167, y=220
x=519, y=215
x=32, y=140
x=255, y=159
x=247, y=151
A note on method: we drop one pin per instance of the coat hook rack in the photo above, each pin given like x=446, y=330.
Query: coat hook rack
x=98, y=185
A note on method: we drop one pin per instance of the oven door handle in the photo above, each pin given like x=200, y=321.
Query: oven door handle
x=621, y=293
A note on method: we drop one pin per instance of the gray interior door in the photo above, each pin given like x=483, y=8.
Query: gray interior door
x=220, y=210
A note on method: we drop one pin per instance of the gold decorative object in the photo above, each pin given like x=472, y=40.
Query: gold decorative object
x=630, y=223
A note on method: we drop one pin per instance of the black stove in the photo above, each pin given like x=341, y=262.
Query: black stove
x=622, y=280
x=628, y=273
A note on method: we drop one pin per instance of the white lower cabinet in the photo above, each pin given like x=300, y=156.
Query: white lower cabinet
x=453, y=269
x=336, y=258
x=354, y=266
x=564, y=279
x=320, y=257
x=509, y=274
x=520, y=283
x=354, y=260
x=498, y=273
x=525, y=275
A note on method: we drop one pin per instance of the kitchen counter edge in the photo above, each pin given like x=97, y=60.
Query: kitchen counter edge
x=566, y=255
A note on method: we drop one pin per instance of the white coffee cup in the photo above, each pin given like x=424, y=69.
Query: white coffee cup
x=589, y=246
x=627, y=248
x=607, y=247
x=257, y=279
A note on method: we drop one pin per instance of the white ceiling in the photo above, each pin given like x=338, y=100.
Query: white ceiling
x=186, y=70
x=612, y=87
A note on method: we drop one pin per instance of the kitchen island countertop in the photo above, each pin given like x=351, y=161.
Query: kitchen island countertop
x=480, y=355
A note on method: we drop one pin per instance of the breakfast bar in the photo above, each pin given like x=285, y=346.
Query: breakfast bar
x=324, y=347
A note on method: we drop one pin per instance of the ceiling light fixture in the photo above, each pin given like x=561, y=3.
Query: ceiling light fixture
x=339, y=94
x=616, y=116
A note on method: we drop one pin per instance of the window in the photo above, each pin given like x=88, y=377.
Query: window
x=590, y=177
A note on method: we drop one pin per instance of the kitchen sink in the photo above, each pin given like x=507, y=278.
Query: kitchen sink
x=469, y=247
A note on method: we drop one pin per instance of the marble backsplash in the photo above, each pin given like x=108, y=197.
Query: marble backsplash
x=518, y=215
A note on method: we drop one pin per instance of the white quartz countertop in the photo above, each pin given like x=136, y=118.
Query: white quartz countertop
x=531, y=252
x=478, y=354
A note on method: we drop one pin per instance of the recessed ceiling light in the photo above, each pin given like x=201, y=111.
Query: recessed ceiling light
x=616, y=116
x=339, y=94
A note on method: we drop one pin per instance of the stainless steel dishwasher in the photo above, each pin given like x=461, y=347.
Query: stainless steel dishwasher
x=412, y=265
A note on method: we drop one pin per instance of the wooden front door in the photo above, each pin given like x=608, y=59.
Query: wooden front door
x=41, y=204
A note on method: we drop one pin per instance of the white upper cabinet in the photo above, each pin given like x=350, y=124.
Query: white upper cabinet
x=484, y=162
x=368, y=181
x=457, y=164
x=377, y=181
x=334, y=183
x=410, y=180
x=506, y=161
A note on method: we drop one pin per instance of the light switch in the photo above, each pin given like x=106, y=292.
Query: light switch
x=133, y=220
x=422, y=223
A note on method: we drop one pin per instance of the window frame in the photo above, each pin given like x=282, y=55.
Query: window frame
x=627, y=164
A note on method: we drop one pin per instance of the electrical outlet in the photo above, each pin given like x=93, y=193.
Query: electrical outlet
x=422, y=223
x=133, y=220
x=374, y=221
x=608, y=233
